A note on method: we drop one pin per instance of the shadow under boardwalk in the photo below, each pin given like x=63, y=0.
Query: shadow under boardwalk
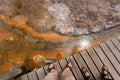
x=93, y=58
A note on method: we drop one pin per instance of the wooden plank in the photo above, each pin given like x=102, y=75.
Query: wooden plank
x=46, y=69
x=81, y=62
x=114, y=50
x=107, y=63
x=75, y=68
x=111, y=57
x=32, y=76
x=116, y=43
x=58, y=68
x=24, y=77
x=40, y=73
x=91, y=65
x=118, y=37
x=63, y=63
x=95, y=58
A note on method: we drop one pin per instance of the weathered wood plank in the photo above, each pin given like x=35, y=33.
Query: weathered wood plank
x=40, y=73
x=24, y=77
x=91, y=65
x=75, y=68
x=58, y=68
x=95, y=58
x=46, y=69
x=111, y=58
x=114, y=50
x=118, y=37
x=63, y=63
x=32, y=76
x=116, y=43
x=81, y=62
x=106, y=62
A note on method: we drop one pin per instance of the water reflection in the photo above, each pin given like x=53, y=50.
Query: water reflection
x=85, y=43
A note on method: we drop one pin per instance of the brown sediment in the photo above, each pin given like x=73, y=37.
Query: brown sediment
x=5, y=67
x=15, y=57
x=1, y=38
x=10, y=61
x=47, y=54
x=58, y=56
x=1, y=18
x=52, y=37
x=8, y=36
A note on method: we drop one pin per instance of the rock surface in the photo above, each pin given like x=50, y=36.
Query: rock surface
x=66, y=17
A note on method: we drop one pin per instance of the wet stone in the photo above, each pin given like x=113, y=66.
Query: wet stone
x=66, y=17
x=71, y=17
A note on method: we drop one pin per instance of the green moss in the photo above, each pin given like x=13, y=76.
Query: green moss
x=18, y=4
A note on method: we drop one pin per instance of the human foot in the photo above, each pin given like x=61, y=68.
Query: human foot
x=69, y=65
x=51, y=67
x=67, y=72
x=105, y=73
x=86, y=74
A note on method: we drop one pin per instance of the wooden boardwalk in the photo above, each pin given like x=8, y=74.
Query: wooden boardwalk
x=107, y=53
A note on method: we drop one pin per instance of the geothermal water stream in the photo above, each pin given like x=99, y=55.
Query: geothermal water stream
x=36, y=32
